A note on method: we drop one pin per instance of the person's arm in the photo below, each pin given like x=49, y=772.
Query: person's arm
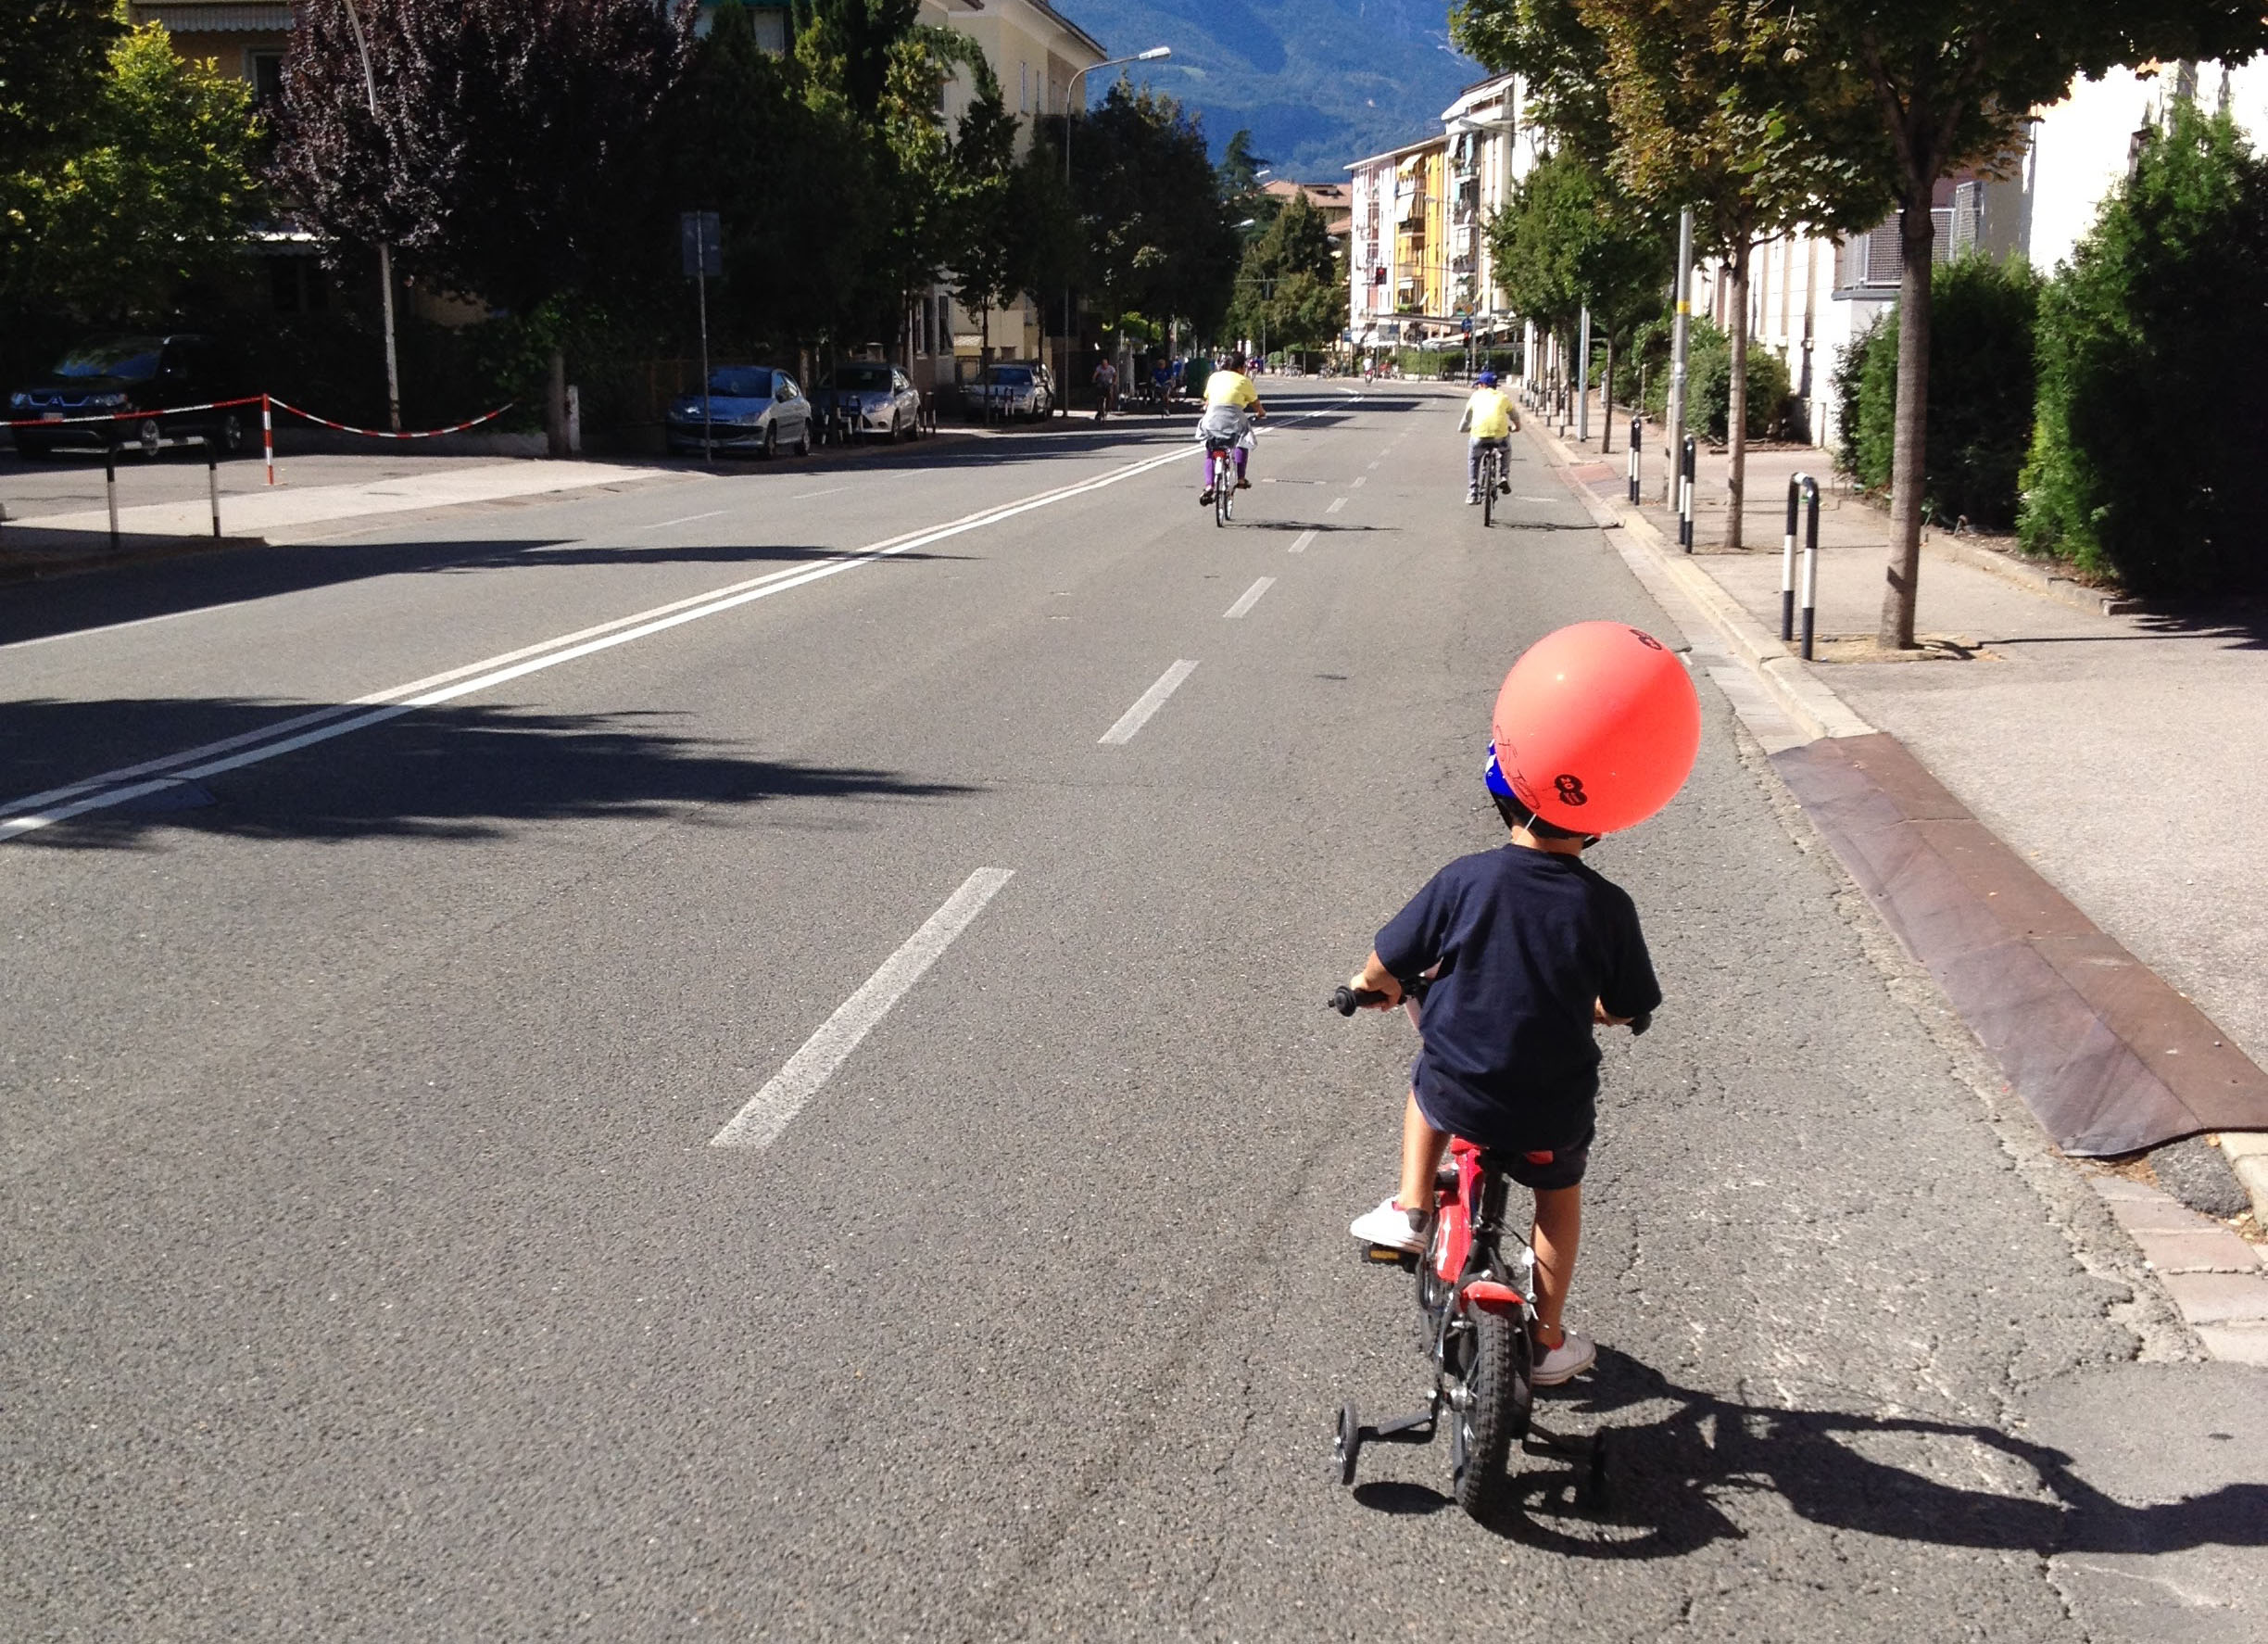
x=1465, y=421
x=1374, y=977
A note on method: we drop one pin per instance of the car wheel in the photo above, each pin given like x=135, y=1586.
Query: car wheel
x=229, y=433
x=802, y=445
x=771, y=441
x=148, y=435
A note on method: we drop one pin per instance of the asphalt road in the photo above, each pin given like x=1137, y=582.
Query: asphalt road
x=368, y=1270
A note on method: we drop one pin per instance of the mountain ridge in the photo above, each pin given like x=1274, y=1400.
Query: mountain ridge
x=1318, y=83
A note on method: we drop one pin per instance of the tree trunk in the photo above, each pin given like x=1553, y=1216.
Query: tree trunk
x=1917, y=237
x=1606, y=400
x=555, y=406
x=1736, y=414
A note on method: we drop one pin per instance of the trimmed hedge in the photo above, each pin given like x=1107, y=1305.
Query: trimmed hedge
x=1984, y=322
x=2146, y=458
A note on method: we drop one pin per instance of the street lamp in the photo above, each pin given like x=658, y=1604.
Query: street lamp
x=1156, y=53
x=386, y=252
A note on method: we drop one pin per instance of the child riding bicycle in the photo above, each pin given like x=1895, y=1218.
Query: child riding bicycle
x=1530, y=949
x=1232, y=404
x=1490, y=416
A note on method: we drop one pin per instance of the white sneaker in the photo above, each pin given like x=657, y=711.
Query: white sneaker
x=1574, y=1355
x=1389, y=1227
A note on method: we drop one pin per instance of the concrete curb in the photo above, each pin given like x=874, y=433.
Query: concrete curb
x=1810, y=704
x=2219, y=1282
x=2247, y=1155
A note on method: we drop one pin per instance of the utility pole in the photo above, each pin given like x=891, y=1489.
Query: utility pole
x=386, y=252
x=1682, y=292
x=1582, y=380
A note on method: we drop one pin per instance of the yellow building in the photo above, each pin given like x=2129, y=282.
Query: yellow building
x=1399, y=247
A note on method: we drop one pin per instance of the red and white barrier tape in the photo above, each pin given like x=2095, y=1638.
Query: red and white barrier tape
x=385, y=433
x=131, y=416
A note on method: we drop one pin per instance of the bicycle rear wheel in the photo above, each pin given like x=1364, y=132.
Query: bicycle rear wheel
x=1494, y=1417
x=1224, y=494
x=1487, y=491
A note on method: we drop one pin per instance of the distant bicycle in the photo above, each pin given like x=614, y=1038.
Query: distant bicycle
x=1493, y=482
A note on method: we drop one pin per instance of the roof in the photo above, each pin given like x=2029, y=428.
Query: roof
x=1439, y=141
x=1070, y=27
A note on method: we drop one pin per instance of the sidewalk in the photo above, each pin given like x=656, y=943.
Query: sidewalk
x=2060, y=793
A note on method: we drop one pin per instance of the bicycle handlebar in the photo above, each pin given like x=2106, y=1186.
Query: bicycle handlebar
x=1346, y=1001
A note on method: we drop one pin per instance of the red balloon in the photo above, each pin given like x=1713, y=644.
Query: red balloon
x=1596, y=726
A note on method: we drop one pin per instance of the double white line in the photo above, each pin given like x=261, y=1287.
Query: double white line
x=21, y=817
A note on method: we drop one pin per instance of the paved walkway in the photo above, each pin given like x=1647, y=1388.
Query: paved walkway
x=2110, y=767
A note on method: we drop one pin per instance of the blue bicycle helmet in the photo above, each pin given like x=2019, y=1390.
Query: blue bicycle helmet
x=1487, y=379
x=1514, y=812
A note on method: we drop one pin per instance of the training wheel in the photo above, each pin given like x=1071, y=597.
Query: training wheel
x=1346, y=1445
x=1595, y=1494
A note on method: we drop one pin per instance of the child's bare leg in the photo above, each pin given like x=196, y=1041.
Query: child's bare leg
x=1559, y=1230
x=1422, y=1148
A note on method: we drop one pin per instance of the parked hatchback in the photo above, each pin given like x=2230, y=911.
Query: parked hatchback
x=751, y=409
x=872, y=398
x=150, y=375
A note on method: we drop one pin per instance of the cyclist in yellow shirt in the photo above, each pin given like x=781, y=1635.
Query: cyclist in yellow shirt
x=1490, y=416
x=1231, y=405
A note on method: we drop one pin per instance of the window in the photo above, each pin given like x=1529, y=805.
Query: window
x=740, y=382
x=265, y=71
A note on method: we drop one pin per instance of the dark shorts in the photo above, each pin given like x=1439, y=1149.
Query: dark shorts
x=1532, y=1168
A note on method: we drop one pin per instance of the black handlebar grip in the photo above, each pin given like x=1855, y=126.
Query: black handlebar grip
x=1346, y=1001
x=1641, y=1022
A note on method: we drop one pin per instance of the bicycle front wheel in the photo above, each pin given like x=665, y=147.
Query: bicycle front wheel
x=1495, y=1412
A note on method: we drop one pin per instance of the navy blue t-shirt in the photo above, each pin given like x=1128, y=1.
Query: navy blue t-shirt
x=1526, y=940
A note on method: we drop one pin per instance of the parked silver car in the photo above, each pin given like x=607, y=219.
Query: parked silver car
x=751, y=408
x=1017, y=388
x=870, y=397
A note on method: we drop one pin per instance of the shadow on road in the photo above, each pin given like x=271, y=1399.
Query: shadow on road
x=173, y=588
x=442, y=773
x=1672, y=1470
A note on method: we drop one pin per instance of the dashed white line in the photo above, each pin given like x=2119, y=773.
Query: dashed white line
x=685, y=519
x=1149, y=703
x=770, y=1109
x=1337, y=503
x=807, y=496
x=1360, y=480
x=1248, y=599
x=1298, y=543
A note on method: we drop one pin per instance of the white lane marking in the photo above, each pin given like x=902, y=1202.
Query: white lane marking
x=101, y=791
x=1248, y=599
x=1298, y=543
x=1376, y=463
x=807, y=496
x=1149, y=703
x=770, y=1109
x=1360, y=480
x=1337, y=503
x=683, y=519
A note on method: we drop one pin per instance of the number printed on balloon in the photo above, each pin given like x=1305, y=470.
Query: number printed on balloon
x=1571, y=789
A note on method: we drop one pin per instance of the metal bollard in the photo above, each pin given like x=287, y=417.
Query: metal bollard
x=1688, y=466
x=110, y=488
x=1809, y=488
x=212, y=481
x=268, y=436
x=1636, y=426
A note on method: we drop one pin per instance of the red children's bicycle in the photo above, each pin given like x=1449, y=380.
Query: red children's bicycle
x=1476, y=1297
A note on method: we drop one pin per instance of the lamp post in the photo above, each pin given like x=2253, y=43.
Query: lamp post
x=1071, y=101
x=386, y=252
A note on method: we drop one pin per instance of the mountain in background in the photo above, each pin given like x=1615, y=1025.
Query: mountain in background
x=1319, y=82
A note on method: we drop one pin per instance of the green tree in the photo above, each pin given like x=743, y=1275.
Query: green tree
x=1288, y=289
x=160, y=194
x=987, y=238
x=1950, y=85
x=2152, y=340
x=1570, y=237
x=1162, y=240
x=1560, y=58
x=1708, y=114
x=53, y=57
